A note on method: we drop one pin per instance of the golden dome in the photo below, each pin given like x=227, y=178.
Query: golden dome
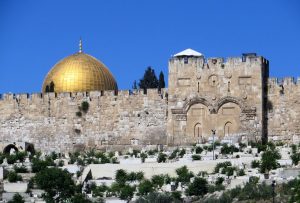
x=79, y=72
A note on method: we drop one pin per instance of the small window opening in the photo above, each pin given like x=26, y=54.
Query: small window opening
x=186, y=60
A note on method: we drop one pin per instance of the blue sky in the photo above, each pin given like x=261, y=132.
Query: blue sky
x=130, y=35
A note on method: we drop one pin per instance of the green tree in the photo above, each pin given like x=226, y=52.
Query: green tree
x=161, y=81
x=149, y=80
x=56, y=183
x=126, y=192
x=145, y=187
x=184, y=175
x=269, y=160
x=121, y=177
x=158, y=180
x=17, y=198
x=198, y=187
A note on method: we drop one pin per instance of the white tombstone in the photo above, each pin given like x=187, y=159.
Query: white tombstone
x=1, y=173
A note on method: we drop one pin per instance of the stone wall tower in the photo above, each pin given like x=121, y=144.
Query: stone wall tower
x=213, y=94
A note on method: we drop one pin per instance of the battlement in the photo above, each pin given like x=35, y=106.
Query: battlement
x=93, y=94
x=221, y=62
x=286, y=81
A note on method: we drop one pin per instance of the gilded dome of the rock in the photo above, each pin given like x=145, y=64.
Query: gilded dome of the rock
x=79, y=72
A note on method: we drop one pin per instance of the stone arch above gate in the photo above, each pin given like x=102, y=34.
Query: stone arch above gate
x=228, y=99
x=197, y=100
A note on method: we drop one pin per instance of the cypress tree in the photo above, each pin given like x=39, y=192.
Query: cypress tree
x=149, y=80
x=161, y=81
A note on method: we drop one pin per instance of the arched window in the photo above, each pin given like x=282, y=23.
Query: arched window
x=198, y=130
x=228, y=128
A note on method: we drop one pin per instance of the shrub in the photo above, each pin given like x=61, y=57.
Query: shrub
x=196, y=157
x=228, y=149
x=174, y=154
x=38, y=165
x=219, y=181
x=17, y=198
x=78, y=113
x=222, y=165
x=21, y=169
x=255, y=164
x=11, y=159
x=184, y=175
x=161, y=157
x=121, y=177
x=14, y=177
x=158, y=180
x=269, y=160
x=241, y=172
x=84, y=106
x=198, y=187
x=143, y=157
x=199, y=150
x=145, y=187
x=126, y=192
x=181, y=153
x=230, y=170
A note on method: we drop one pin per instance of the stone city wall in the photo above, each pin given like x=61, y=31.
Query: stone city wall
x=284, y=108
x=50, y=123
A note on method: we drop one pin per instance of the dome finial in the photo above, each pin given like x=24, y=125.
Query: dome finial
x=80, y=45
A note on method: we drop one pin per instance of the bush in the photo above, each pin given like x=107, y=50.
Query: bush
x=78, y=113
x=174, y=154
x=269, y=160
x=11, y=159
x=145, y=187
x=126, y=192
x=84, y=106
x=143, y=157
x=38, y=165
x=219, y=181
x=295, y=158
x=181, y=153
x=158, y=180
x=228, y=149
x=222, y=165
x=241, y=172
x=21, y=169
x=199, y=150
x=161, y=157
x=196, y=157
x=184, y=175
x=121, y=177
x=198, y=187
x=17, y=198
x=156, y=197
x=14, y=177
x=255, y=164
